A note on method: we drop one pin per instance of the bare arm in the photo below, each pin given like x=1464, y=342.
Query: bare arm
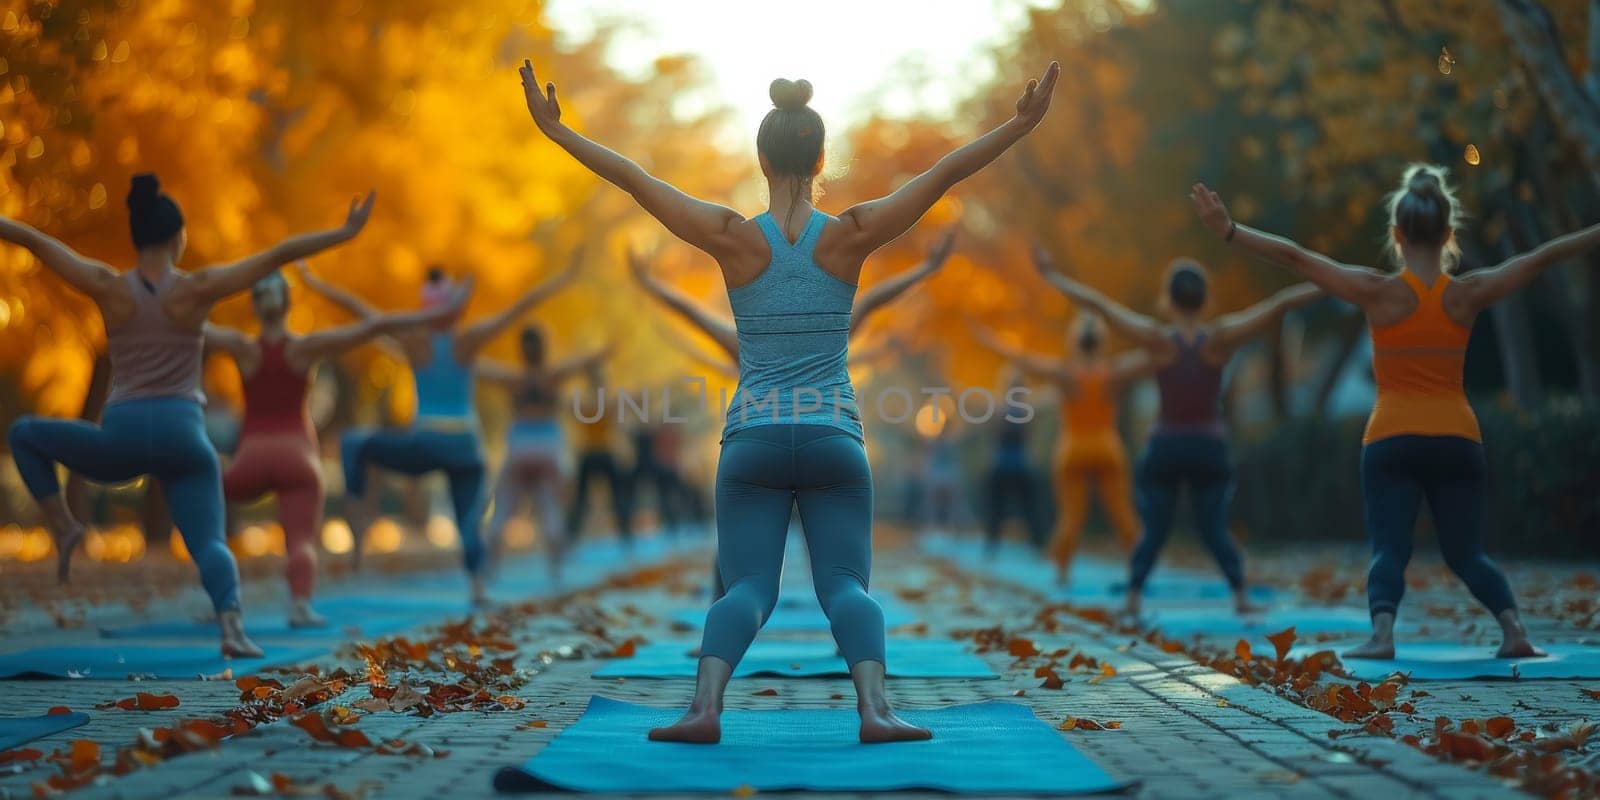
x=705, y=225
x=1131, y=325
x=1358, y=285
x=93, y=278
x=345, y=300
x=720, y=329
x=233, y=342
x=1131, y=367
x=307, y=350
x=886, y=291
x=1484, y=287
x=585, y=363
x=1043, y=366
x=1235, y=329
x=472, y=339
x=206, y=287
x=873, y=224
x=499, y=374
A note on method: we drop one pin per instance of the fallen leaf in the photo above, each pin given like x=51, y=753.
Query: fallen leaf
x=766, y=693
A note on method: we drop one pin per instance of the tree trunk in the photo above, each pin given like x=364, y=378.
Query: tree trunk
x=1351, y=329
x=1537, y=45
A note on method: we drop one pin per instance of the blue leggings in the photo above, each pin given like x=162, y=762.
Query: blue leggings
x=1397, y=474
x=763, y=473
x=163, y=437
x=1170, y=461
x=418, y=451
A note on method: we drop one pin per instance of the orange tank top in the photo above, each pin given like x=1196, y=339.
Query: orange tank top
x=1418, y=363
x=1091, y=410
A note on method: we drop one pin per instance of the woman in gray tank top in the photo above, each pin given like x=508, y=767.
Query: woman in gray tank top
x=153, y=425
x=793, y=432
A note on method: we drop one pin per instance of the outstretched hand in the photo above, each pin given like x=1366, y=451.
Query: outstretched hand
x=1212, y=211
x=1035, y=100
x=637, y=265
x=1042, y=260
x=360, y=210
x=542, y=103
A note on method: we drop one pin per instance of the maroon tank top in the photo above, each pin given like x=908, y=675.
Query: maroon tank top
x=1191, y=391
x=275, y=394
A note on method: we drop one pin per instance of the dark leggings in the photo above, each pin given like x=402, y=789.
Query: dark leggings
x=162, y=437
x=665, y=487
x=594, y=464
x=764, y=473
x=1008, y=484
x=419, y=451
x=1397, y=474
x=1170, y=461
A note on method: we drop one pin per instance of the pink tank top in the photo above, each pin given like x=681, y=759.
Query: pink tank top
x=150, y=355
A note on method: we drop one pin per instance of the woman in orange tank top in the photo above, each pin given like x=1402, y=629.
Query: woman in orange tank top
x=1089, y=451
x=1422, y=441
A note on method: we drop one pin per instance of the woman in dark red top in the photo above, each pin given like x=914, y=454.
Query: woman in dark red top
x=277, y=443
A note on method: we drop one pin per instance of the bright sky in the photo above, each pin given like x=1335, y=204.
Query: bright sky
x=856, y=53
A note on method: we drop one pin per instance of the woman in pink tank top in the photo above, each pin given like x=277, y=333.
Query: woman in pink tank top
x=153, y=423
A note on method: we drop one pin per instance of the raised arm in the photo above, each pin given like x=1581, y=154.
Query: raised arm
x=1131, y=325
x=234, y=343
x=885, y=291
x=473, y=338
x=705, y=225
x=720, y=329
x=204, y=288
x=1049, y=368
x=1358, y=285
x=727, y=365
x=93, y=278
x=873, y=224
x=1233, y=330
x=1484, y=287
x=346, y=300
x=1131, y=367
x=584, y=363
x=307, y=350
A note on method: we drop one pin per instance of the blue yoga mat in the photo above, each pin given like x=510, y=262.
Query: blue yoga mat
x=116, y=661
x=908, y=658
x=985, y=748
x=269, y=629
x=1444, y=661
x=423, y=606
x=1220, y=620
x=799, y=617
x=18, y=731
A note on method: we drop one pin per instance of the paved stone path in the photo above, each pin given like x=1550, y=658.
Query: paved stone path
x=1186, y=730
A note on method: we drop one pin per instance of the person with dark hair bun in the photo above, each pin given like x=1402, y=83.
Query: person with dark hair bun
x=1422, y=441
x=1089, y=451
x=153, y=423
x=793, y=433
x=277, y=452
x=1189, y=445
x=444, y=437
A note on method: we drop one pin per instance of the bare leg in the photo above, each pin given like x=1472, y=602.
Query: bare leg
x=702, y=723
x=1242, y=605
x=302, y=615
x=1514, y=641
x=1381, y=645
x=878, y=722
x=1133, y=604
x=358, y=514
x=235, y=644
x=65, y=529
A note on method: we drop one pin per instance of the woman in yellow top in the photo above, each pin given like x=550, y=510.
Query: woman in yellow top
x=1422, y=441
x=1089, y=451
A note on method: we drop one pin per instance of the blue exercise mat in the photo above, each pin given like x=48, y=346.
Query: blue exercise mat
x=1445, y=661
x=18, y=731
x=270, y=629
x=799, y=617
x=1220, y=620
x=422, y=606
x=115, y=661
x=908, y=658
x=985, y=748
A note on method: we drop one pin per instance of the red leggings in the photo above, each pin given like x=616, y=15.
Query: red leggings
x=285, y=464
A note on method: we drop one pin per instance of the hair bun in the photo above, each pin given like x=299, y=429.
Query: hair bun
x=1425, y=180
x=790, y=95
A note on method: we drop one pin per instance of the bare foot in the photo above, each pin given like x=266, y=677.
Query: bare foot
x=696, y=727
x=235, y=644
x=1133, y=604
x=1377, y=647
x=1519, y=648
x=302, y=615
x=67, y=539
x=881, y=725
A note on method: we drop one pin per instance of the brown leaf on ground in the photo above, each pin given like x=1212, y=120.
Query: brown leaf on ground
x=1241, y=651
x=143, y=701
x=625, y=650
x=1051, y=679
x=1106, y=671
x=766, y=693
x=54, y=710
x=20, y=754
x=1282, y=642
x=317, y=727
x=1086, y=724
x=1022, y=648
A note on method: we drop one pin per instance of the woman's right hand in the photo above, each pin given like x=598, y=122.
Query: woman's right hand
x=1212, y=211
x=542, y=103
x=356, y=218
x=1035, y=100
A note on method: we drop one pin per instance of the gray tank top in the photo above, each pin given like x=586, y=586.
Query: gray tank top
x=150, y=355
x=794, y=335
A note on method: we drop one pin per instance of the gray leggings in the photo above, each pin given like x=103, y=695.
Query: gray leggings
x=764, y=471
